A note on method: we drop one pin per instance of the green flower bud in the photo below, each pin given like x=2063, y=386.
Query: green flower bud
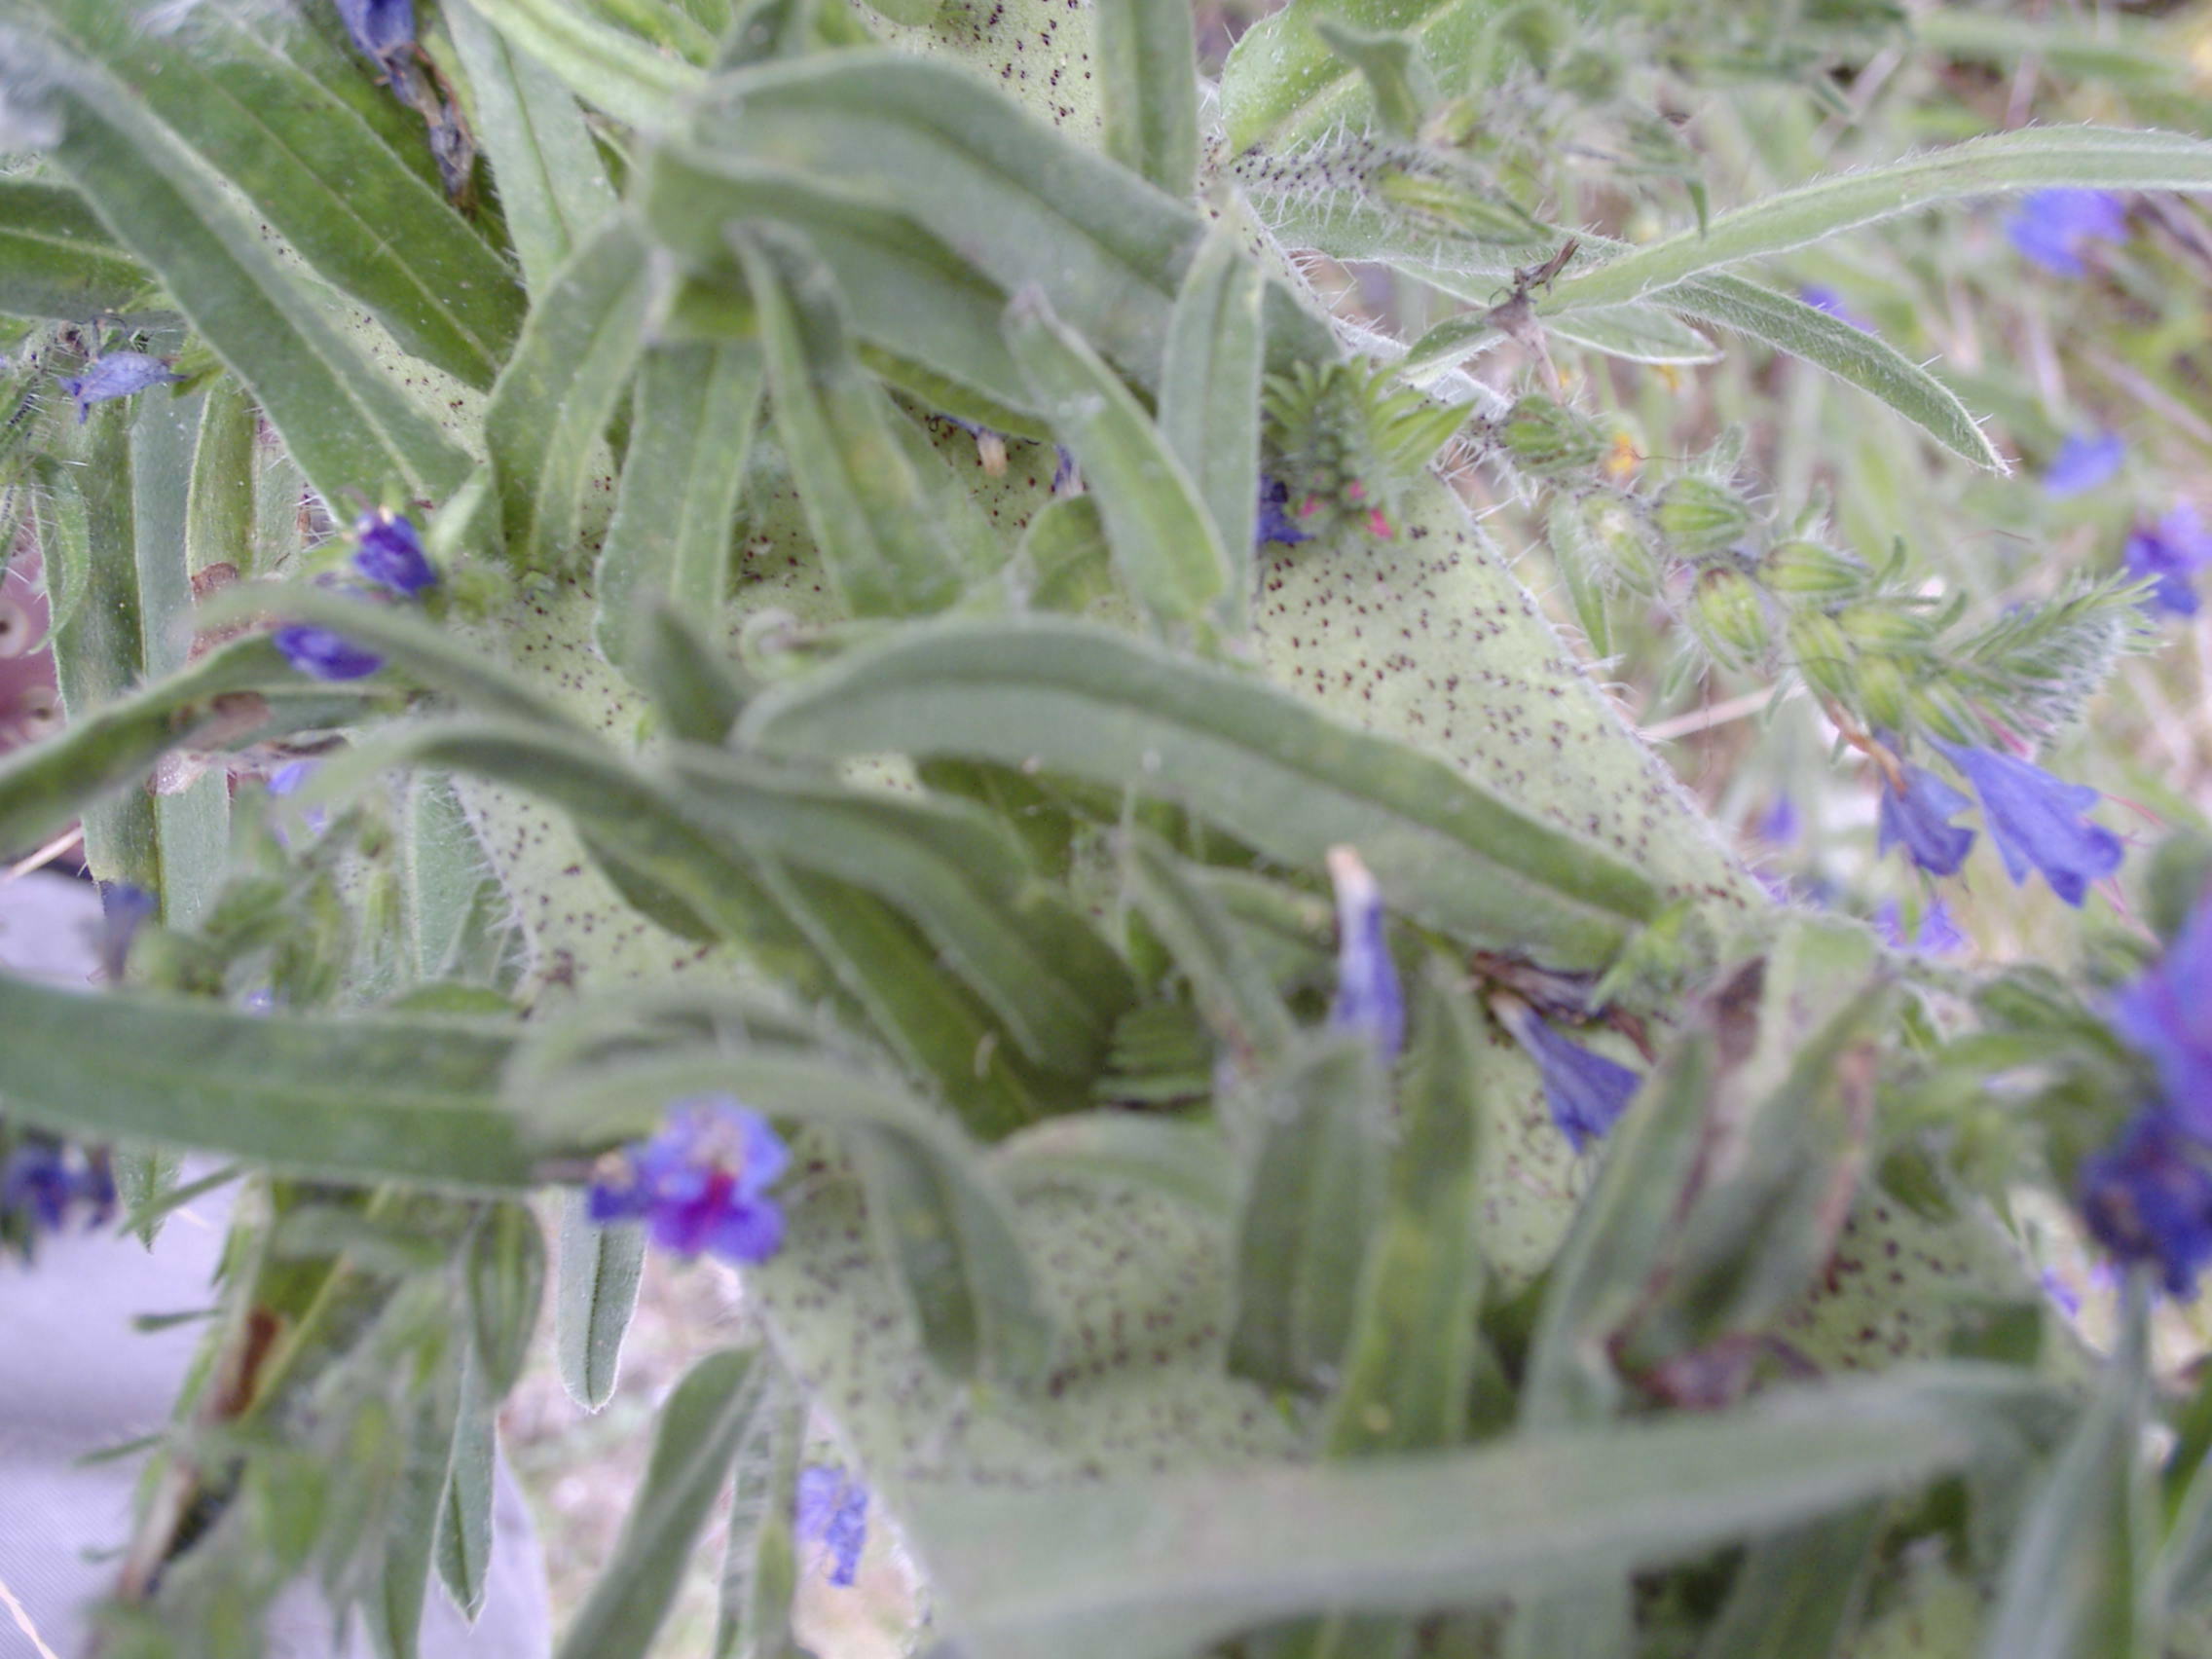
x=1549, y=439
x=1805, y=570
x=1885, y=694
x=1729, y=613
x=1939, y=707
x=1698, y=518
x=1458, y=206
x=1876, y=626
x=1621, y=538
x=1824, y=656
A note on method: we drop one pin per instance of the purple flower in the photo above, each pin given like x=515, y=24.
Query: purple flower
x=1822, y=298
x=2051, y=227
x=2084, y=460
x=2148, y=1198
x=392, y=554
x=2036, y=821
x=1938, y=935
x=2172, y=550
x=1779, y=825
x=1921, y=820
x=1274, y=524
x=381, y=28
x=2167, y=1014
x=124, y=909
x=286, y=780
x=1368, y=998
x=701, y=1184
x=831, y=1509
x=1586, y=1092
x=2060, y=1292
x=41, y=1178
x=321, y=654
x=118, y=374
x=1063, y=470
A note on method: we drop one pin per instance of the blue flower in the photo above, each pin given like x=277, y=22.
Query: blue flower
x=2036, y=821
x=831, y=1509
x=321, y=654
x=118, y=374
x=1920, y=819
x=2172, y=551
x=2084, y=460
x=381, y=28
x=392, y=554
x=1938, y=935
x=2148, y=1198
x=1274, y=524
x=701, y=1184
x=1822, y=298
x=2051, y=227
x=124, y=909
x=1368, y=998
x=1586, y=1092
x=2167, y=1014
x=42, y=1179
x=1779, y=825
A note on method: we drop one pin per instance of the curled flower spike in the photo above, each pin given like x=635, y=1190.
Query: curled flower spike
x=701, y=1184
x=1368, y=997
x=321, y=654
x=2167, y=1014
x=118, y=374
x=1920, y=820
x=1822, y=298
x=2172, y=551
x=2148, y=1198
x=2036, y=821
x=2051, y=227
x=1587, y=1093
x=1938, y=935
x=1274, y=524
x=831, y=1508
x=41, y=1179
x=2084, y=460
x=392, y=554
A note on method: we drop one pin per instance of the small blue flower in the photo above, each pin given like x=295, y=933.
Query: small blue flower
x=1822, y=298
x=2148, y=1198
x=118, y=374
x=701, y=1184
x=2066, y=1298
x=2051, y=227
x=392, y=554
x=1274, y=524
x=43, y=1179
x=1779, y=825
x=1938, y=935
x=831, y=1509
x=2084, y=460
x=1368, y=998
x=381, y=28
x=1064, y=477
x=1586, y=1092
x=124, y=909
x=2172, y=550
x=2167, y=1014
x=2036, y=821
x=321, y=654
x=286, y=780
x=1920, y=819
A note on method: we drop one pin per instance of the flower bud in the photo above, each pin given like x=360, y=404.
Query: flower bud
x=1943, y=708
x=1458, y=205
x=1885, y=694
x=1805, y=570
x=1822, y=655
x=1730, y=616
x=1878, y=626
x=1622, y=540
x=1549, y=439
x=1698, y=517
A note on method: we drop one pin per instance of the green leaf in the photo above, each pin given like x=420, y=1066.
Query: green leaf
x=1159, y=1569
x=57, y=260
x=601, y=64
x=1273, y=770
x=1165, y=547
x=595, y=1294
x=1209, y=397
x=1284, y=82
x=1312, y=1201
x=1187, y=1160
x=1146, y=60
x=463, y=1547
x=760, y=1558
x=690, y=436
x=880, y=547
x=550, y=409
x=696, y=689
x=394, y=1604
x=1797, y=1591
x=700, y=1429
x=553, y=186
x=1634, y=333
x=1390, y=63
x=505, y=1275
x=358, y=1099
x=1230, y=987
x=1064, y=556
x=2038, y=158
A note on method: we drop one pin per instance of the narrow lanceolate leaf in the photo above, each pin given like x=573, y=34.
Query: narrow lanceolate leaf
x=616, y=72
x=395, y=1603
x=879, y=545
x=1283, y=81
x=1797, y=1591
x=346, y=423
x=557, y=394
x=1160, y=1569
x=504, y=1277
x=1636, y=333
x=1209, y=397
x=553, y=186
x=697, y=1438
x=463, y=1545
x=595, y=1294
x=1148, y=93
x=1398, y=82
x=1165, y=547
x=356, y=1099
x=57, y=260
x=301, y=131
x=1276, y=772
x=1231, y=989
x=1313, y=1197
x=940, y=1221
x=760, y=1559
x=2038, y=158
x=691, y=435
